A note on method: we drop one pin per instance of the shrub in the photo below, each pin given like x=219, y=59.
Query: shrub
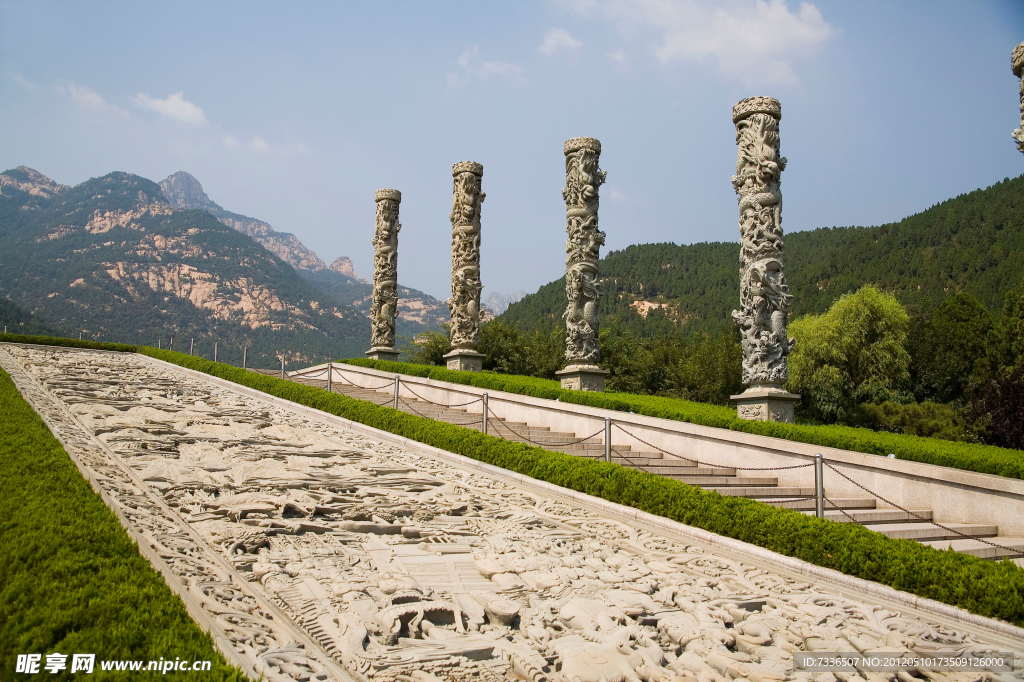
x=928, y=419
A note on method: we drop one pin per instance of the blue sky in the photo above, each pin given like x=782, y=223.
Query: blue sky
x=295, y=113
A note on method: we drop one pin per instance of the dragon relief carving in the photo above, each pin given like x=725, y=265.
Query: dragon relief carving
x=1017, y=63
x=765, y=300
x=464, y=304
x=583, y=177
x=384, y=308
x=320, y=553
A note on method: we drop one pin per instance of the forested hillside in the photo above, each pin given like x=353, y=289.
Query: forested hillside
x=16, y=321
x=112, y=259
x=973, y=243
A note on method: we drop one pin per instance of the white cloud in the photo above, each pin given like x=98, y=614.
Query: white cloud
x=258, y=144
x=174, y=106
x=82, y=95
x=752, y=41
x=558, y=39
x=231, y=141
x=472, y=68
x=22, y=82
x=617, y=57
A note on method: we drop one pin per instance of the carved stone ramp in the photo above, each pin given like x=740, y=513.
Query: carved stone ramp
x=914, y=522
x=313, y=548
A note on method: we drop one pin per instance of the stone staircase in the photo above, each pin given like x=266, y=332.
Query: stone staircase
x=723, y=480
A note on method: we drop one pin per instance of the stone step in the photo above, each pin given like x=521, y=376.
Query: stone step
x=923, y=530
x=651, y=459
x=764, y=485
x=876, y=516
x=837, y=503
x=1014, y=545
x=758, y=492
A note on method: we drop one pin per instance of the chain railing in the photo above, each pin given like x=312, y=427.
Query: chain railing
x=921, y=518
x=707, y=464
x=488, y=416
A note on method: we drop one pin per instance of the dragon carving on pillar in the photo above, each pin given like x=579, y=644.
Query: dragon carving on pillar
x=583, y=177
x=464, y=303
x=765, y=300
x=384, y=308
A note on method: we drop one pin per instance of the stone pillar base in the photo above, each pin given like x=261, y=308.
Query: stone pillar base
x=583, y=378
x=766, y=404
x=382, y=353
x=465, y=360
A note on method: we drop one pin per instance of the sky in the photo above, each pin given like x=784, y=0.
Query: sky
x=295, y=113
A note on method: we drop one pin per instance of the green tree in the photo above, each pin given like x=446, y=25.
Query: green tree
x=1009, y=347
x=854, y=353
x=510, y=350
x=429, y=347
x=950, y=350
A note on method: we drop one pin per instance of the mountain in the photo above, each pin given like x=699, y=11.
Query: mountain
x=417, y=311
x=343, y=266
x=14, y=320
x=498, y=303
x=183, y=191
x=113, y=259
x=972, y=243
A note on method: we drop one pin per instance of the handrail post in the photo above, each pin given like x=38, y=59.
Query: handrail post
x=244, y=349
x=398, y=387
x=330, y=371
x=483, y=427
x=819, y=488
x=191, y=344
x=607, y=439
x=282, y=365
x=215, y=351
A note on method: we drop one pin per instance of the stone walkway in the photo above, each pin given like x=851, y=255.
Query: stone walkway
x=315, y=551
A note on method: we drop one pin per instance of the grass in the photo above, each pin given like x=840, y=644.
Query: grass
x=71, y=580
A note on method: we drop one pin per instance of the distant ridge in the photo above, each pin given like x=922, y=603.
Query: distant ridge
x=417, y=311
x=112, y=259
x=184, y=191
x=972, y=243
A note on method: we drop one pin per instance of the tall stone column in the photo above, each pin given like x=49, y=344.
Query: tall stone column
x=583, y=177
x=764, y=297
x=464, y=305
x=1017, y=62
x=384, y=308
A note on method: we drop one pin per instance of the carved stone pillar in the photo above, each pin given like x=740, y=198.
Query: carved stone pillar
x=1017, y=62
x=384, y=308
x=764, y=297
x=583, y=177
x=464, y=305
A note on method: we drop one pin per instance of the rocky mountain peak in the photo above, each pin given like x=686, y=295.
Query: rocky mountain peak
x=343, y=266
x=30, y=180
x=183, y=191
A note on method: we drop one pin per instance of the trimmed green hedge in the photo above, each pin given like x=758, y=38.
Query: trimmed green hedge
x=72, y=581
x=988, y=588
x=985, y=459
